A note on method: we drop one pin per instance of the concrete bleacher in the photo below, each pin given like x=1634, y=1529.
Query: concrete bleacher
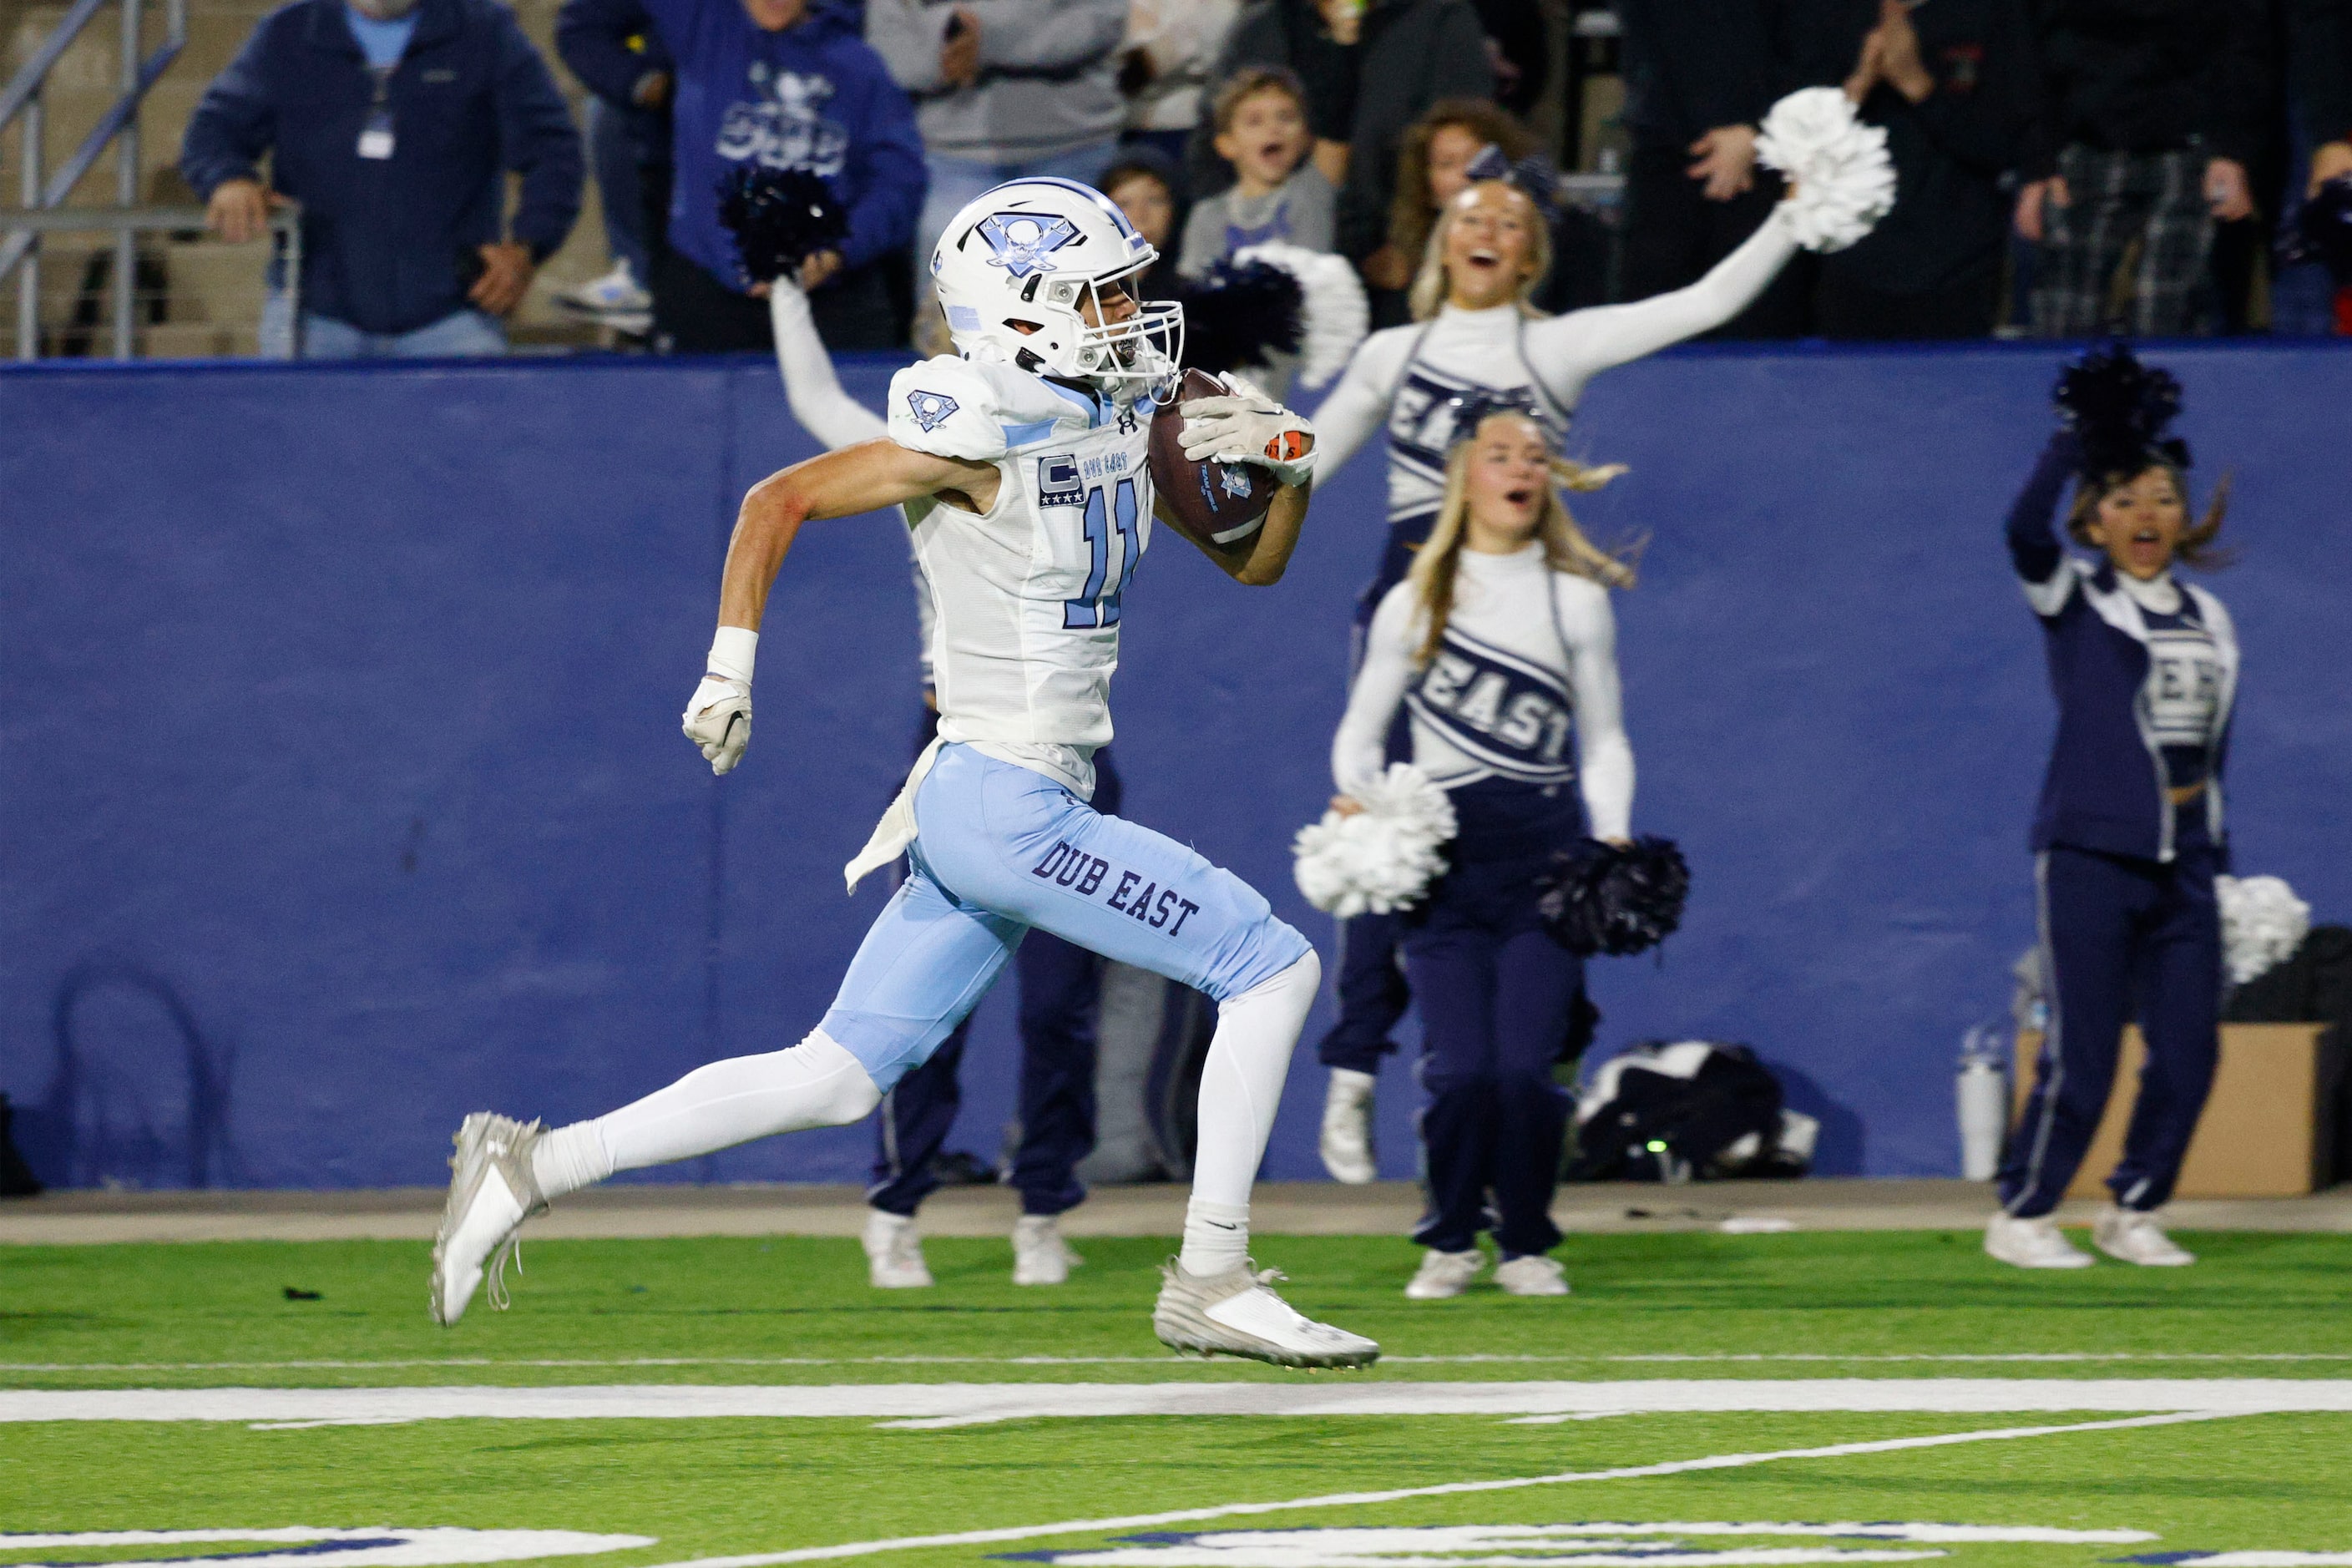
x=211, y=303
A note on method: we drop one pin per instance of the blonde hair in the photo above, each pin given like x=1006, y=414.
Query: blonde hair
x=1565, y=546
x=1412, y=214
x=1429, y=286
x=2195, y=547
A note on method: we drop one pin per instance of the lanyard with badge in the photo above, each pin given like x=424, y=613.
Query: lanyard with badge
x=376, y=132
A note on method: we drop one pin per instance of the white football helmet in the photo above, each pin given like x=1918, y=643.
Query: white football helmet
x=1018, y=268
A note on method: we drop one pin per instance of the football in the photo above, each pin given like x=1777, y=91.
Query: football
x=1218, y=503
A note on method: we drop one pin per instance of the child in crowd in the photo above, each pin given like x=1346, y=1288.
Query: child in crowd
x=1261, y=120
x=1143, y=184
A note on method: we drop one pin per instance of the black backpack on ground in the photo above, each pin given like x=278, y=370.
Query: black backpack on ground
x=1668, y=1112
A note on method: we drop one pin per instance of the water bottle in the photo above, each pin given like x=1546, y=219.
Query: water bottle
x=1981, y=1095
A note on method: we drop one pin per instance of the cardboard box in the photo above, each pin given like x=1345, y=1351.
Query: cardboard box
x=2268, y=1129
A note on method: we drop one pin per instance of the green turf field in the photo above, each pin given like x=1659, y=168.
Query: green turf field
x=209, y=1332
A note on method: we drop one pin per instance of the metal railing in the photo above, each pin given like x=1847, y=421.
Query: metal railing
x=126, y=223
x=21, y=104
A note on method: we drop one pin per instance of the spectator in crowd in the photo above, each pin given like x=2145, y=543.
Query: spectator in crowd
x=1954, y=86
x=1004, y=89
x=1143, y=184
x=788, y=84
x=621, y=60
x=2319, y=77
x=1369, y=69
x=1518, y=48
x=1163, y=67
x=1277, y=193
x=394, y=123
x=2147, y=127
x=1698, y=76
x=1433, y=168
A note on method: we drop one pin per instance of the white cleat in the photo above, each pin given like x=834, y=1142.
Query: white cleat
x=1444, y=1274
x=1040, y=1255
x=894, y=1253
x=2132, y=1236
x=1532, y=1275
x=1237, y=1313
x=2031, y=1243
x=1347, y=1141
x=491, y=1193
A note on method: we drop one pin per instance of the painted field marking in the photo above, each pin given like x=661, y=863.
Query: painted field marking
x=940, y=1404
x=1447, y=1489
x=1663, y=1357
x=305, y=1548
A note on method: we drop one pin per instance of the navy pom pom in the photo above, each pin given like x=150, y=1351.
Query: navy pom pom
x=2118, y=408
x=779, y=217
x=1238, y=314
x=1601, y=898
x=2327, y=228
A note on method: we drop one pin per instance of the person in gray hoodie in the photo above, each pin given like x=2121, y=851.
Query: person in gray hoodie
x=1004, y=89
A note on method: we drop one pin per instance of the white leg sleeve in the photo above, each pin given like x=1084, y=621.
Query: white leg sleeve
x=816, y=1083
x=1241, y=1084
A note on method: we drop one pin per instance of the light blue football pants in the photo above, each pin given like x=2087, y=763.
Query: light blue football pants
x=999, y=849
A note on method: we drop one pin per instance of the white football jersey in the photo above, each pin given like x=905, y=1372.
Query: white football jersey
x=1026, y=598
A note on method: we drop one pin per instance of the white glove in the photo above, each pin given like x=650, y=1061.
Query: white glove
x=719, y=720
x=1250, y=427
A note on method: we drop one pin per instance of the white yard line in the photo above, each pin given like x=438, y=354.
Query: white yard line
x=1171, y=1359
x=1402, y=1494
x=967, y=1403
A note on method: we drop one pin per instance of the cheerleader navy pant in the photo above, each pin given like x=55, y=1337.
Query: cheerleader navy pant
x=1497, y=998
x=1061, y=992
x=2123, y=939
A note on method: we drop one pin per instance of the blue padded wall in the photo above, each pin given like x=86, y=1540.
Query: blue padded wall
x=341, y=790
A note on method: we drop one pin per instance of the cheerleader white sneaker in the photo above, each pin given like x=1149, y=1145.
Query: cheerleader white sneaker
x=2132, y=1236
x=2031, y=1243
x=1444, y=1274
x=1347, y=1141
x=1533, y=1275
x=491, y=1193
x=1040, y=1255
x=894, y=1252
x=1237, y=1313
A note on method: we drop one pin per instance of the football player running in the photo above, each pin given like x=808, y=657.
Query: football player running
x=1023, y=467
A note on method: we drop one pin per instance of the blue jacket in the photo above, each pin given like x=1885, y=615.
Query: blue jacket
x=814, y=97
x=389, y=244
x=611, y=48
x=2106, y=789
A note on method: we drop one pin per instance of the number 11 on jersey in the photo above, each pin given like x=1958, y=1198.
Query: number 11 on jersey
x=1093, y=607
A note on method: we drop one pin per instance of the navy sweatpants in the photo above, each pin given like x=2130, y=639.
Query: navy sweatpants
x=1498, y=998
x=1061, y=988
x=2122, y=939
x=1373, y=993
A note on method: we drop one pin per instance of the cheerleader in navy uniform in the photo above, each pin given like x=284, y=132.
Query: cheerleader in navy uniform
x=1499, y=647
x=2129, y=832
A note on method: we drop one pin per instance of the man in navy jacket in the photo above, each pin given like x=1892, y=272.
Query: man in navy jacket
x=393, y=123
x=789, y=84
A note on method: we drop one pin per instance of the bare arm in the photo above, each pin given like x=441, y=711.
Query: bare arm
x=1260, y=560
x=864, y=477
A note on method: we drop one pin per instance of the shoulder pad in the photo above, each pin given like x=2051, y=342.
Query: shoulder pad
x=978, y=411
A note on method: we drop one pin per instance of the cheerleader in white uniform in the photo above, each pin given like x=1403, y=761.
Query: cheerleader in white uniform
x=1476, y=343
x=1500, y=646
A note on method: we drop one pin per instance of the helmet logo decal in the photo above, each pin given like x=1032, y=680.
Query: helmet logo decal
x=930, y=409
x=1019, y=242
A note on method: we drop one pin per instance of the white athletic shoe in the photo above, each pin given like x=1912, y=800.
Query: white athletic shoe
x=1237, y=1313
x=491, y=1193
x=1040, y=1255
x=2132, y=1236
x=1532, y=1275
x=2031, y=1243
x=894, y=1252
x=1444, y=1274
x=616, y=294
x=1347, y=1143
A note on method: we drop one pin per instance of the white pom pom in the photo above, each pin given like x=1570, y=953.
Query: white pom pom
x=2262, y=924
x=1384, y=856
x=1336, y=313
x=1844, y=181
